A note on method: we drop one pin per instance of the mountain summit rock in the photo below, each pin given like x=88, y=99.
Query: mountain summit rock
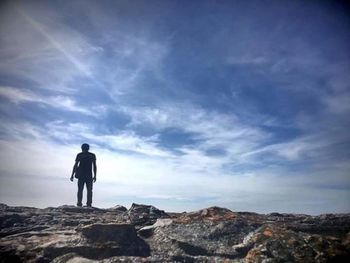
x=144, y=233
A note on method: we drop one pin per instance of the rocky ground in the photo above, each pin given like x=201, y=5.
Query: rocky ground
x=147, y=234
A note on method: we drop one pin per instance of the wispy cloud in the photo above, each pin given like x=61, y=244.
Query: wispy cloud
x=55, y=43
x=64, y=103
x=210, y=129
x=126, y=141
x=32, y=46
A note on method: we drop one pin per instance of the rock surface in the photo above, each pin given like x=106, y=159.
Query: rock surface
x=140, y=215
x=146, y=234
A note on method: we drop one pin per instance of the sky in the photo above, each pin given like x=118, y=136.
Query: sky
x=186, y=104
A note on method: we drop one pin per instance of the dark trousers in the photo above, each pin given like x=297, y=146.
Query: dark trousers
x=81, y=183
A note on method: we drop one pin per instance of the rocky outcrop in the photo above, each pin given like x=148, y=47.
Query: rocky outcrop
x=146, y=234
x=140, y=215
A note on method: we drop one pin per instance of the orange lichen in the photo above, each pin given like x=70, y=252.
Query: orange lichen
x=291, y=241
x=214, y=214
x=252, y=255
x=268, y=233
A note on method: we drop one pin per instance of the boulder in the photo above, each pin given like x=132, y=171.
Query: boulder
x=142, y=215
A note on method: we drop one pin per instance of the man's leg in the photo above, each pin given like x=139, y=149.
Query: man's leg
x=89, y=192
x=80, y=191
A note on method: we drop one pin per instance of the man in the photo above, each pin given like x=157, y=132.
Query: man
x=82, y=169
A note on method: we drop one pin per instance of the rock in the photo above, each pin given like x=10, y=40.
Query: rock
x=162, y=222
x=142, y=215
x=76, y=209
x=278, y=244
x=119, y=208
x=119, y=233
x=211, y=214
x=3, y=206
x=147, y=231
x=98, y=241
x=9, y=220
x=147, y=234
x=201, y=238
x=68, y=222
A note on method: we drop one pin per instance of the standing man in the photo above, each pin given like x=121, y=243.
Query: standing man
x=82, y=169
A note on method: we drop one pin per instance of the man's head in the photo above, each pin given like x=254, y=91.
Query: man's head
x=85, y=147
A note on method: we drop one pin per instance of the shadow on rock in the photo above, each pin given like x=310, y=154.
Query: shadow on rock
x=103, y=241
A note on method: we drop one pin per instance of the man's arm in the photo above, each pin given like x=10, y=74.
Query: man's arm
x=95, y=169
x=74, y=170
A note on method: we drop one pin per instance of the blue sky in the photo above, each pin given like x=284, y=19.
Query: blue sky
x=187, y=104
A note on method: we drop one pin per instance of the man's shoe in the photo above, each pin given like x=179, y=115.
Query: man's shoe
x=80, y=205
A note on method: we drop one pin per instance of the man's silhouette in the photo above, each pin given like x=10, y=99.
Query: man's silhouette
x=82, y=169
